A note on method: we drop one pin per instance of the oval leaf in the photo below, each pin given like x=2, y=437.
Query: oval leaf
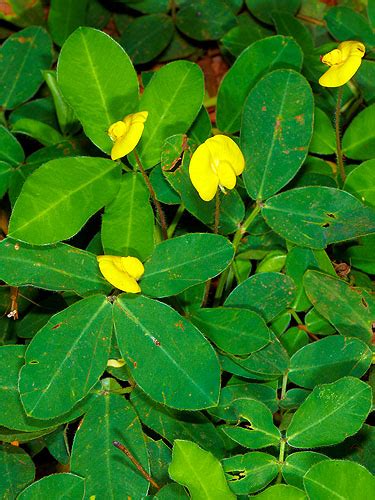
x=340, y=479
x=111, y=418
x=276, y=131
x=164, y=353
x=60, y=196
x=59, y=268
x=237, y=331
x=128, y=221
x=261, y=57
x=176, y=90
x=316, y=216
x=66, y=358
x=185, y=261
x=328, y=360
x=331, y=413
x=23, y=57
x=99, y=82
x=199, y=471
x=17, y=470
x=350, y=310
x=54, y=486
x=268, y=294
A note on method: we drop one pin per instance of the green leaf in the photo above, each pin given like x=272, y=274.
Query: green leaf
x=94, y=457
x=360, y=182
x=58, y=198
x=263, y=9
x=316, y=216
x=339, y=478
x=205, y=19
x=66, y=358
x=364, y=78
x=23, y=57
x=17, y=471
x=358, y=142
x=297, y=464
x=185, y=261
x=268, y=294
x=99, y=82
x=254, y=427
x=11, y=150
x=173, y=424
x=350, y=310
x=268, y=363
x=157, y=31
x=64, y=17
x=153, y=336
x=330, y=413
x=148, y=6
x=293, y=339
x=41, y=132
x=199, y=471
x=12, y=413
x=323, y=140
x=175, y=90
x=362, y=256
x=251, y=472
x=60, y=268
x=286, y=24
x=282, y=492
x=63, y=486
x=244, y=34
x=65, y=114
x=276, y=131
x=6, y=172
x=225, y=410
x=300, y=259
x=237, y=331
x=128, y=221
x=254, y=62
x=328, y=360
x=345, y=24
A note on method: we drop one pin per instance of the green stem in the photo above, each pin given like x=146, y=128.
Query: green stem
x=281, y=460
x=340, y=161
x=243, y=228
x=217, y=212
x=296, y=317
x=226, y=276
x=284, y=385
x=162, y=220
x=176, y=220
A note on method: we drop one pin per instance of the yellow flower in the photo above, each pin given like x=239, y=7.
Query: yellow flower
x=126, y=134
x=215, y=163
x=344, y=63
x=122, y=272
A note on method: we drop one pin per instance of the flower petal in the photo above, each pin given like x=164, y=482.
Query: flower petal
x=351, y=48
x=341, y=73
x=201, y=173
x=126, y=143
x=227, y=176
x=224, y=149
x=111, y=268
x=133, y=267
x=333, y=57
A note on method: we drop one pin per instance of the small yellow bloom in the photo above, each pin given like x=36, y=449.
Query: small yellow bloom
x=215, y=163
x=126, y=134
x=344, y=63
x=122, y=272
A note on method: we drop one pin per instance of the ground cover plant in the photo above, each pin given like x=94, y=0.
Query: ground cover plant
x=187, y=249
